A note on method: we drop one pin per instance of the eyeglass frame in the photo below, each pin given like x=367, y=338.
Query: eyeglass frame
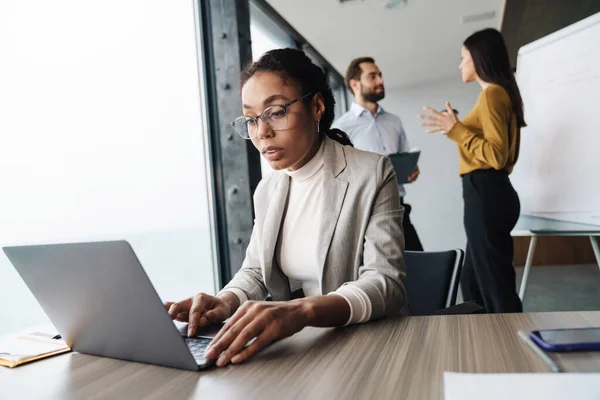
x=260, y=117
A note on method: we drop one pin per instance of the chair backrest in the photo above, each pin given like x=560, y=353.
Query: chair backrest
x=432, y=279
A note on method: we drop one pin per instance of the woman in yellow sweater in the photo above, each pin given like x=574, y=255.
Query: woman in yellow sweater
x=488, y=145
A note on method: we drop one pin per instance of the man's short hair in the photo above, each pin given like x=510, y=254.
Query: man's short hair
x=354, y=71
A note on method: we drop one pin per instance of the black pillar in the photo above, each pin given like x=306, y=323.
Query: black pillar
x=225, y=28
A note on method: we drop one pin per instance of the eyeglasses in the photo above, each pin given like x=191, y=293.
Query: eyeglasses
x=276, y=117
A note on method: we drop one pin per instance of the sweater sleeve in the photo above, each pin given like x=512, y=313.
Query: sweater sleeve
x=359, y=302
x=492, y=147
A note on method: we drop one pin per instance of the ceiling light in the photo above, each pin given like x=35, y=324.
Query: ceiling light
x=484, y=16
x=390, y=4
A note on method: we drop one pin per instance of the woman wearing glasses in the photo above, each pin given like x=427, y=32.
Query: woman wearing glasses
x=328, y=221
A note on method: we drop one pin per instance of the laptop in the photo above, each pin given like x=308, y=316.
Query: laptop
x=102, y=303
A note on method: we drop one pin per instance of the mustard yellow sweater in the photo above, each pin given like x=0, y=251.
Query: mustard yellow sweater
x=483, y=135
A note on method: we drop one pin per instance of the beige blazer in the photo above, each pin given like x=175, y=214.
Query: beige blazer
x=361, y=240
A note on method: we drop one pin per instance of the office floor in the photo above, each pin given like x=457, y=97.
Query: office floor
x=562, y=288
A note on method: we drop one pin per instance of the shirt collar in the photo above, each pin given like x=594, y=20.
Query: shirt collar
x=359, y=110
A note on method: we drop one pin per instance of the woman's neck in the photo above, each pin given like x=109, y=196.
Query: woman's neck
x=309, y=155
x=484, y=85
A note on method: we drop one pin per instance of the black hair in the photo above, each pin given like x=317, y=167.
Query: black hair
x=292, y=64
x=492, y=64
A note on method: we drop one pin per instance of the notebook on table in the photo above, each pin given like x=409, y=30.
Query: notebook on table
x=30, y=345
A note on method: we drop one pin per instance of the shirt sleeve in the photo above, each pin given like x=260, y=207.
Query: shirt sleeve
x=359, y=302
x=490, y=148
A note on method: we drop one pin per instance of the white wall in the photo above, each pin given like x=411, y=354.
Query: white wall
x=436, y=196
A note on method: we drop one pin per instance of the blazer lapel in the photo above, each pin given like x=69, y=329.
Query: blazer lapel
x=275, y=280
x=333, y=199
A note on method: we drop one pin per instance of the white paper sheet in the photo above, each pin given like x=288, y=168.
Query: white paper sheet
x=525, y=386
x=29, y=343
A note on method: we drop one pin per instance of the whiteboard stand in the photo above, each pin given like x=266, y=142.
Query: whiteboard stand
x=529, y=225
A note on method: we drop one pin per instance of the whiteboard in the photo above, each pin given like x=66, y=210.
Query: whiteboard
x=558, y=172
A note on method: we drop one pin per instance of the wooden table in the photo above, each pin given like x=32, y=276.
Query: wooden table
x=400, y=358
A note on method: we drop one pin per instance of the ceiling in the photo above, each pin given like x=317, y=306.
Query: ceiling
x=413, y=45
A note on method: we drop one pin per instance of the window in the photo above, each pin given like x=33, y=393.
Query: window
x=102, y=134
x=339, y=93
x=266, y=35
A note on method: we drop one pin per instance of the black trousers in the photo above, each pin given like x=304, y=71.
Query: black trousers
x=411, y=239
x=491, y=211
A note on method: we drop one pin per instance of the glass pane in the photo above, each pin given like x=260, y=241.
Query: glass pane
x=265, y=34
x=102, y=135
x=339, y=93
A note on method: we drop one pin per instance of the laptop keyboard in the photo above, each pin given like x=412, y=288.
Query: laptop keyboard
x=197, y=345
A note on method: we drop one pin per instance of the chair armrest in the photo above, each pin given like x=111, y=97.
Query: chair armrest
x=468, y=307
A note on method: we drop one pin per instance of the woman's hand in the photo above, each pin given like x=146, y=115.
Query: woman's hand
x=439, y=121
x=264, y=321
x=202, y=309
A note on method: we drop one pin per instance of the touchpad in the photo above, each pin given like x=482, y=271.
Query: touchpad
x=209, y=331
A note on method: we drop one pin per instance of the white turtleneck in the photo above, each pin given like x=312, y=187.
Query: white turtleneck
x=297, y=245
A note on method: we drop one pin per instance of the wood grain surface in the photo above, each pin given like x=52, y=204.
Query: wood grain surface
x=401, y=358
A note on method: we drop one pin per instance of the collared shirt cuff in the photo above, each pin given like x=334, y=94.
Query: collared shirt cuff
x=359, y=302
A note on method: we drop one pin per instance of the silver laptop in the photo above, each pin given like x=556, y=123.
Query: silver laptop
x=101, y=301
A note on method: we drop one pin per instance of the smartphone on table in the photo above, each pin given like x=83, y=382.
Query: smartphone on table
x=571, y=339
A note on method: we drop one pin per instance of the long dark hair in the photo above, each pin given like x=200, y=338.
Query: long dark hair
x=492, y=64
x=293, y=64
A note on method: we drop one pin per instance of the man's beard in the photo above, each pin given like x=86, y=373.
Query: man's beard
x=372, y=96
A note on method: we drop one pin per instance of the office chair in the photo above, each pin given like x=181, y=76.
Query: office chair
x=432, y=280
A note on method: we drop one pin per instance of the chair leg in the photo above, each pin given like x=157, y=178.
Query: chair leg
x=528, y=265
x=455, y=279
x=596, y=248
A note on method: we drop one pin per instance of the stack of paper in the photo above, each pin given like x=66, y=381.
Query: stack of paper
x=526, y=386
x=30, y=345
